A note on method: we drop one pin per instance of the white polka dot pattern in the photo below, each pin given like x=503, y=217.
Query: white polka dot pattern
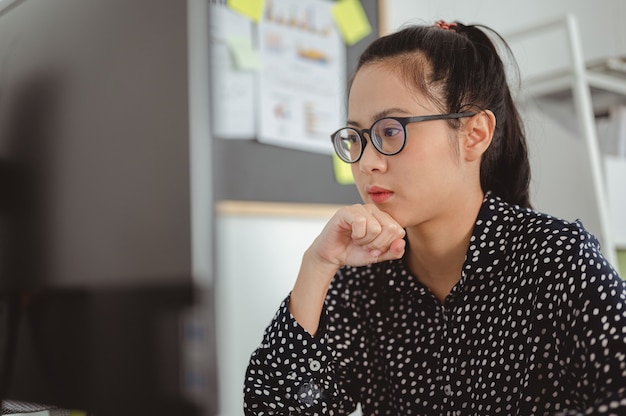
x=536, y=325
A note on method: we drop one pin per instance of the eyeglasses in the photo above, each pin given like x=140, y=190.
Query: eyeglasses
x=388, y=135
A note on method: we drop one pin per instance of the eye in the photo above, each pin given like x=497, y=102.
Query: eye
x=388, y=128
x=352, y=138
x=390, y=132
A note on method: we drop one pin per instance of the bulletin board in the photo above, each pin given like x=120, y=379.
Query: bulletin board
x=301, y=84
x=248, y=169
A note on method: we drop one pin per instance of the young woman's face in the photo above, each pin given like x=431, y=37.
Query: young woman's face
x=428, y=177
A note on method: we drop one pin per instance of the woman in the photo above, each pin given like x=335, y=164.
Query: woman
x=444, y=293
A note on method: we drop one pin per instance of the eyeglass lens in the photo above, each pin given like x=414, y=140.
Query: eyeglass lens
x=387, y=136
x=347, y=144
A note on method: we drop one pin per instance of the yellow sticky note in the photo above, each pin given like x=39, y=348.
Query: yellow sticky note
x=343, y=171
x=249, y=8
x=351, y=20
x=621, y=263
x=243, y=53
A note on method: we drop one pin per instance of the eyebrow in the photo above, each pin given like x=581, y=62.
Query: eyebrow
x=381, y=114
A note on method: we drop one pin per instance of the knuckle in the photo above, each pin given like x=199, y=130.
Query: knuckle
x=376, y=228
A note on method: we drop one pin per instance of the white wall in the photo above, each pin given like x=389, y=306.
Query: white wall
x=258, y=257
x=601, y=23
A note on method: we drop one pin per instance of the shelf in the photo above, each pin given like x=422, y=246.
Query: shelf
x=606, y=90
x=576, y=95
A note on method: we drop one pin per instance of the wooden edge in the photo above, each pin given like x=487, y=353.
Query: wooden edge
x=275, y=209
x=382, y=18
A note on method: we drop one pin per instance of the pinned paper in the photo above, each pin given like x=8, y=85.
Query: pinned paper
x=244, y=54
x=351, y=20
x=343, y=171
x=252, y=9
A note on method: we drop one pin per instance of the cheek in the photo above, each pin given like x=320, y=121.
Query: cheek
x=354, y=168
x=425, y=168
x=434, y=150
x=358, y=179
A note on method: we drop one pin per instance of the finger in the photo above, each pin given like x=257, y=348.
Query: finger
x=395, y=251
x=372, y=228
x=384, y=242
x=363, y=225
x=382, y=231
x=359, y=225
x=389, y=232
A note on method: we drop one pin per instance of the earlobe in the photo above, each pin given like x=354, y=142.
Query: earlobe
x=479, y=132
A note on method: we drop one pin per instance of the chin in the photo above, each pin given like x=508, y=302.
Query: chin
x=400, y=219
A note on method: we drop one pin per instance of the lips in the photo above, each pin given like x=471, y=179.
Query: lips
x=377, y=194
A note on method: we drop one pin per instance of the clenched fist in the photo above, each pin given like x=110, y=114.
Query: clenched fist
x=355, y=236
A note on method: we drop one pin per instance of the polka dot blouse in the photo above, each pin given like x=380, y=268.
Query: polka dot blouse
x=536, y=325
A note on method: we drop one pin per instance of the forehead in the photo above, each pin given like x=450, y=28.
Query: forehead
x=378, y=87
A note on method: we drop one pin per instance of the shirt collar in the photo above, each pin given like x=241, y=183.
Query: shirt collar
x=486, y=252
x=487, y=247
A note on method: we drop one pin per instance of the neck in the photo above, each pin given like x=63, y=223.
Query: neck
x=437, y=249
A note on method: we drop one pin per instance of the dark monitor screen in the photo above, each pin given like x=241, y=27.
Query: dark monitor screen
x=95, y=224
x=103, y=352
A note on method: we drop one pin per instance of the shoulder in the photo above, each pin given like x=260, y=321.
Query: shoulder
x=555, y=247
x=531, y=240
x=559, y=258
x=536, y=229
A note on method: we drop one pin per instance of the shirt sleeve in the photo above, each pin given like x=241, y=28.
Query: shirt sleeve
x=293, y=371
x=599, y=336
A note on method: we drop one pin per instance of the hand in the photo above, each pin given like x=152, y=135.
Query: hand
x=354, y=236
x=358, y=235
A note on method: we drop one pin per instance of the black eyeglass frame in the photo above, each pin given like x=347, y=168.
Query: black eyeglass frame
x=403, y=122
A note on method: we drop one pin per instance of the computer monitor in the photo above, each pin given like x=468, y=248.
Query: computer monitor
x=100, y=307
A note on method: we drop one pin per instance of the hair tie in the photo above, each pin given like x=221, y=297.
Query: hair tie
x=442, y=24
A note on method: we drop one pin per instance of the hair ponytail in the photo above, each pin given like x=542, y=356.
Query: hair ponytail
x=505, y=168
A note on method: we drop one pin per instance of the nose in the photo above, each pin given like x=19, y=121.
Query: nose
x=371, y=159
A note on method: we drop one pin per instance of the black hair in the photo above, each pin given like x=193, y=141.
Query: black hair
x=460, y=69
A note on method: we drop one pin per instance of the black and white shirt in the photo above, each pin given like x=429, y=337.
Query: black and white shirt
x=536, y=325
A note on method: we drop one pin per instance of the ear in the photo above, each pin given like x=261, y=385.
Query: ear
x=478, y=134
